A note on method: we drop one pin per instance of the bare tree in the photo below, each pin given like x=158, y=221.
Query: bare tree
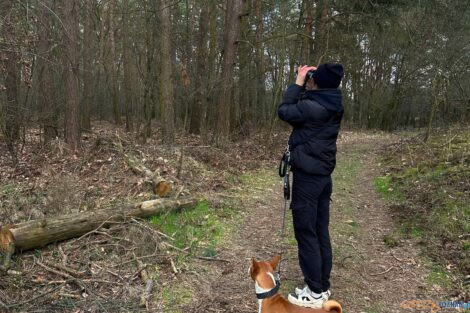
x=111, y=62
x=201, y=72
x=10, y=60
x=88, y=48
x=46, y=99
x=167, y=114
x=126, y=49
x=70, y=59
x=232, y=30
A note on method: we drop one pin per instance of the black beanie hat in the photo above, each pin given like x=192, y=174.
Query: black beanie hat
x=328, y=75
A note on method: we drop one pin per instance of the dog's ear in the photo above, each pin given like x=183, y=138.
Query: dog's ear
x=254, y=268
x=275, y=261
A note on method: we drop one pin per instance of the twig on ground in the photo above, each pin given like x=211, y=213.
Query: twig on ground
x=399, y=260
x=138, y=258
x=153, y=230
x=143, y=273
x=62, y=253
x=54, y=271
x=91, y=231
x=148, y=292
x=197, y=257
x=66, y=275
x=66, y=269
x=9, y=306
x=173, y=266
x=384, y=272
x=148, y=282
x=179, y=192
x=213, y=259
x=139, y=270
x=176, y=248
x=68, y=295
x=102, y=281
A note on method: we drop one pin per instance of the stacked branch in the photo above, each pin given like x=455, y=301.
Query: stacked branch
x=38, y=233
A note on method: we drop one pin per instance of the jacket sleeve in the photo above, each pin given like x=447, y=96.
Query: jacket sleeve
x=289, y=110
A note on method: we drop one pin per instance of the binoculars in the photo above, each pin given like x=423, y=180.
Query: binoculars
x=309, y=75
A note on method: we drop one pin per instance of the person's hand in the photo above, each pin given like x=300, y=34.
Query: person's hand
x=302, y=72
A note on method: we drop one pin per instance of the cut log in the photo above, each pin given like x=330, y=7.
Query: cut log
x=38, y=233
x=160, y=185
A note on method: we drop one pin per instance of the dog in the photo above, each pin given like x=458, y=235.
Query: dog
x=267, y=287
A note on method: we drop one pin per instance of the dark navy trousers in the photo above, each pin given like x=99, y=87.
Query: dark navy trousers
x=311, y=215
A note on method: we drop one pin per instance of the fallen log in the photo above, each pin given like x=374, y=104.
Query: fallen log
x=160, y=185
x=38, y=233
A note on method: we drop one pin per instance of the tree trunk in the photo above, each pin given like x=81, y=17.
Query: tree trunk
x=244, y=59
x=128, y=92
x=437, y=85
x=47, y=114
x=70, y=63
x=201, y=72
x=260, y=105
x=306, y=17
x=11, y=112
x=88, y=47
x=232, y=30
x=321, y=33
x=148, y=79
x=207, y=110
x=112, y=73
x=167, y=114
x=38, y=233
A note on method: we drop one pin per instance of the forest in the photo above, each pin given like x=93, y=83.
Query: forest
x=219, y=68
x=140, y=139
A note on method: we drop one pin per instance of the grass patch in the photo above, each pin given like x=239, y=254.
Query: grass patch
x=429, y=184
x=201, y=227
x=438, y=276
x=383, y=185
x=391, y=240
x=376, y=308
x=344, y=183
x=175, y=296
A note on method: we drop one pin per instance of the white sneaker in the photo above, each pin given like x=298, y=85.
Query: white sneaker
x=306, y=299
x=298, y=291
x=325, y=294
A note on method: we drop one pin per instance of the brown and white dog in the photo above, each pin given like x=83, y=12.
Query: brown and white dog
x=267, y=286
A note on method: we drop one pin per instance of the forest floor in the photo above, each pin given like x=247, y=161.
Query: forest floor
x=368, y=275
x=200, y=263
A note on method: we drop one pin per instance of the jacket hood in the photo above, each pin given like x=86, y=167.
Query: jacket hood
x=330, y=99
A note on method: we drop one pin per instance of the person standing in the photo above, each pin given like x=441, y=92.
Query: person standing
x=313, y=107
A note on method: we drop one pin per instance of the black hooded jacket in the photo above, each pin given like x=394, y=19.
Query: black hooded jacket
x=316, y=117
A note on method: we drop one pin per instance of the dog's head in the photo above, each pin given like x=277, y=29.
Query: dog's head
x=262, y=272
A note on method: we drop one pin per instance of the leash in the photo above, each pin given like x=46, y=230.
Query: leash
x=284, y=169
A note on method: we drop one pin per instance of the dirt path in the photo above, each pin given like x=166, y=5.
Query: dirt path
x=368, y=276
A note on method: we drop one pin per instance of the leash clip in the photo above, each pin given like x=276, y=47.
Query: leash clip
x=284, y=164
